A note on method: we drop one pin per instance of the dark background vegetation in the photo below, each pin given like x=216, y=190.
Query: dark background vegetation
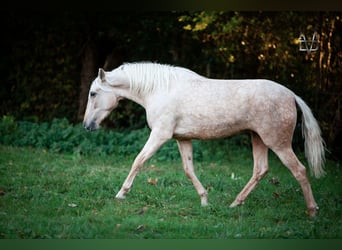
x=48, y=59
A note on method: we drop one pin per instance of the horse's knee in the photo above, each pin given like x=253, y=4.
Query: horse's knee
x=263, y=172
x=260, y=173
x=188, y=173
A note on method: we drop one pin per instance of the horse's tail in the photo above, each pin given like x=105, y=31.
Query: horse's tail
x=314, y=144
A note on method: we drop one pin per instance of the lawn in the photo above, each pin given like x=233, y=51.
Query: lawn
x=69, y=195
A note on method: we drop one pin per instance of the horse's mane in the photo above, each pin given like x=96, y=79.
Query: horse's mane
x=146, y=77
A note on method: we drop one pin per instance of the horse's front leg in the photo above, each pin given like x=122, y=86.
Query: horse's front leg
x=154, y=142
x=185, y=149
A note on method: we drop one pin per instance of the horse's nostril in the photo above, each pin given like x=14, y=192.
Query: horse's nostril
x=87, y=127
x=91, y=126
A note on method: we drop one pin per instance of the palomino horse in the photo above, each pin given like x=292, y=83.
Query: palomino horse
x=183, y=105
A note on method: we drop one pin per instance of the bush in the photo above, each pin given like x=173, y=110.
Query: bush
x=60, y=136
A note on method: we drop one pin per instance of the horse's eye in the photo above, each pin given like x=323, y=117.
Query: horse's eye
x=92, y=94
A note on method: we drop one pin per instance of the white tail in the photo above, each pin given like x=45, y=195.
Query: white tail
x=314, y=144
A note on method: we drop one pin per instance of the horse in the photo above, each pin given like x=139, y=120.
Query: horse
x=183, y=105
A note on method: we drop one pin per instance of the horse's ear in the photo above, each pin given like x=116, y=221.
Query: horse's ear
x=102, y=74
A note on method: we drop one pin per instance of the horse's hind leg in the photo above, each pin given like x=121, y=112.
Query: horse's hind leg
x=185, y=149
x=260, y=169
x=290, y=160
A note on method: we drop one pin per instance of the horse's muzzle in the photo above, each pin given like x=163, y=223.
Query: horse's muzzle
x=92, y=126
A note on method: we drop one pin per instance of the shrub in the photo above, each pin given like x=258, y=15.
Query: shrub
x=60, y=136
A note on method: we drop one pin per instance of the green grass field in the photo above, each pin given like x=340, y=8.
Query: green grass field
x=50, y=195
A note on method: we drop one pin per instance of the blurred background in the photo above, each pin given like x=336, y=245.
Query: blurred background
x=48, y=59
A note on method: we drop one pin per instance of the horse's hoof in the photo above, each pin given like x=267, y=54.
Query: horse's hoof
x=312, y=212
x=204, y=201
x=236, y=203
x=204, y=204
x=120, y=196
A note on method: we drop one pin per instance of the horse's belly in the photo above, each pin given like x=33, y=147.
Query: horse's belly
x=203, y=130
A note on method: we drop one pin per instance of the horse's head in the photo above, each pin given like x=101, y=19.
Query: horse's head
x=102, y=99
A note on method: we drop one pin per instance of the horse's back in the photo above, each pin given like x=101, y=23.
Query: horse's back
x=220, y=108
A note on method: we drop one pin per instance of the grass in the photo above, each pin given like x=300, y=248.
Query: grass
x=50, y=195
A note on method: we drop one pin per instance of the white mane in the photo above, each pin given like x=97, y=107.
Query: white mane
x=147, y=77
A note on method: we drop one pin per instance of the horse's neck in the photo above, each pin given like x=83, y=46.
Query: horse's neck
x=127, y=94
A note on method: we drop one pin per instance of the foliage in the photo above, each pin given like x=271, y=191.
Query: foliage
x=60, y=136
x=254, y=44
x=45, y=195
x=40, y=69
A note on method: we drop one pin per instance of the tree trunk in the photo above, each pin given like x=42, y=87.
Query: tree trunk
x=113, y=60
x=88, y=73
